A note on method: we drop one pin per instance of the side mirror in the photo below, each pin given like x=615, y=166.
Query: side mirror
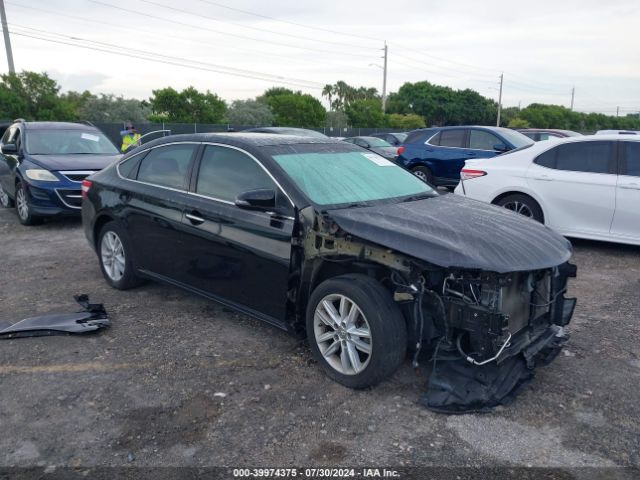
x=260, y=199
x=501, y=147
x=10, y=148
x=366, y=145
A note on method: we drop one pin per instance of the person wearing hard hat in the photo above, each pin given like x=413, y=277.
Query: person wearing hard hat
x=130, y=136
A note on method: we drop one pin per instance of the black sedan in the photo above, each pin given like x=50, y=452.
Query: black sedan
x=318, y=236
x=375, y=145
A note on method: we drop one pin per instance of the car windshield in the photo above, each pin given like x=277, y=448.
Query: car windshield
x=401, y=136
x=376, y=142
x=336, y=178
x=517, y=139
x=68, y=142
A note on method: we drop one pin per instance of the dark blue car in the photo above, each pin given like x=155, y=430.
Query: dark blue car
x=437, y=154
x=42, y=166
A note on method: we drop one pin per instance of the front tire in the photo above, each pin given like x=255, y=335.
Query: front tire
x=115, y=256
x=524, y=205
x=356, y=331
x=5, y=200
x=23, y=209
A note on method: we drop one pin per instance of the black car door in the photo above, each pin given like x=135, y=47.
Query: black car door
x=9, y=161
x=236, y=255
x=153, y=204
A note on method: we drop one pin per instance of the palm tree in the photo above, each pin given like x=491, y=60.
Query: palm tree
x=327, y=91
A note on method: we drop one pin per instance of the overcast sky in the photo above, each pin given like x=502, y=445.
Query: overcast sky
x=544, y=48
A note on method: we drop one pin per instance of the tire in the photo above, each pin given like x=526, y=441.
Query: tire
x=522, y=204
x=375, y=312
x=5, y=200
x=116, y=257
x=22, y=207
x=423, y=173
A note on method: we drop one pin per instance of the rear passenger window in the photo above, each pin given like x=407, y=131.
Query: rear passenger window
x=167, y=166
x=480, y=140
x=631, y=164
x=589, y=157
x=452, y=138
x=420, y=136
x=225, y=172
x=547, y=159
x=129, y=168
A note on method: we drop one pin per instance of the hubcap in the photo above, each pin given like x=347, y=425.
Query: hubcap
x=112, y=255
x=4, y=198
x=519, y=207
x=23, y=206
x=421, y=175
x=342, y=334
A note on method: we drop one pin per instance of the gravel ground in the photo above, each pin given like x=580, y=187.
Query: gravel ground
x=180, y=381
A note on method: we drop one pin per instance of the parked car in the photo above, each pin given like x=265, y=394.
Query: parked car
x=314, y=235
x=437, y=155
x=43, y=164
x=375, y=145
x=302, y=132
x=394, y=138
x=540, y=134
x=617, y=132
x=584, y=187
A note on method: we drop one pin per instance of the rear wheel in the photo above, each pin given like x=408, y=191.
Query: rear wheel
x=5, y=200
x=22, y=207
x=115, y=255
x=424, y=174
x=355, y=330
x=522, y=204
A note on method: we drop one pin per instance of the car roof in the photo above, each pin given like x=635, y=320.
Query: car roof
x=57, y=126
x=252, y=139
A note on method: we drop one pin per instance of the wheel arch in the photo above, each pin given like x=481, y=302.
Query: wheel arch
x=526, y=194
x=101, y=220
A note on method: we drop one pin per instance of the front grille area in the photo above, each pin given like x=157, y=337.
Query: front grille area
x=71, y=198
x=77, y=176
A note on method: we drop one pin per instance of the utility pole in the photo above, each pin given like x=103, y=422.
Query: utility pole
x=500, y=100
x=617, y=111
x=7, y=40
x=573, y=94
x=384, y=78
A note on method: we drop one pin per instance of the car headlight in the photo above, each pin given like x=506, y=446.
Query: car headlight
x=41, y=175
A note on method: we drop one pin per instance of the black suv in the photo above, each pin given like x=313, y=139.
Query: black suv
x=319, y=236
x=43, y=163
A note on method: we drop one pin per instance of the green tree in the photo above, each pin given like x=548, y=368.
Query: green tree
x=336, y=119
x=294, y=109
x=33, y=96
x=187, y=106
x=249, y=112
x=409, y=121
x=518, y=123
x=109, y=108
x=365, y=113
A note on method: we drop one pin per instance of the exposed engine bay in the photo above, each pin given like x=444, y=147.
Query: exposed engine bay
x=482, y=332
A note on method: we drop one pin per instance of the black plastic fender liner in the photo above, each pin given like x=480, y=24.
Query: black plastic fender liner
x=457, y=386
x=93, y=317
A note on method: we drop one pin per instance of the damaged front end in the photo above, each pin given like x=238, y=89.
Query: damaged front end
x=486, y=330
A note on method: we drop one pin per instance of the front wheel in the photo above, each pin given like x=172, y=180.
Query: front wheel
x=524, y=205
x=5, y=200
x=355, y=330
x=115, y=257
x=22, y=207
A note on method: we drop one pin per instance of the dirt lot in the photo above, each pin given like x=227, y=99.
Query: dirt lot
x=179, y=381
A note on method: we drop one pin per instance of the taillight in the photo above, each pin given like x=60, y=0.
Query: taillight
x=469, y=174
x=86, y=185
x=400, y=150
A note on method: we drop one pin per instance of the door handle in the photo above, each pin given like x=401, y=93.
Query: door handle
x=194, y=218
x=470, y=154
x=630, y=186
x=544, y=178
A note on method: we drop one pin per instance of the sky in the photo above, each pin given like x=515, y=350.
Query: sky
x=239, y=48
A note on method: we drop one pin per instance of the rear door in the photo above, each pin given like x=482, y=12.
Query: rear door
x=236, y=255
x=577, y=183
x=481, y=144
x=451, y=154
x=626, y=220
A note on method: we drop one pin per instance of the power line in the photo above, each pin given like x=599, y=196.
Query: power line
x=149, y=56
x=244, y=37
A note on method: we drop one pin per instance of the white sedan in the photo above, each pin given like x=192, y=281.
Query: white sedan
x=583, y=187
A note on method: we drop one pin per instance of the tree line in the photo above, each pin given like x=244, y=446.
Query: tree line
x=36, y=96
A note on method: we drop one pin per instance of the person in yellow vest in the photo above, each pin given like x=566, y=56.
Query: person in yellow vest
x=130, y=136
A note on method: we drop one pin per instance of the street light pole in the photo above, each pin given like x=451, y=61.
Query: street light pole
x=384, y=79
x=7, y=40
x=500, y=100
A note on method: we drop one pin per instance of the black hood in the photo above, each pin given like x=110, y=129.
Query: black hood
x=452, y=231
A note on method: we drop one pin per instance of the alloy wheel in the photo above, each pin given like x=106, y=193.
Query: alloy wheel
x=519, y=207
x=22, y=204
x=342, y=334
x=4, y=198
x=112, y=255
x=421, y=175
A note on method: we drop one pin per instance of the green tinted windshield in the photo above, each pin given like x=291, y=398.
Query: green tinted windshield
x=335, y=178
x=68, y=142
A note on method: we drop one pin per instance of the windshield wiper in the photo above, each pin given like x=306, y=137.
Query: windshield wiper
x=419, y=196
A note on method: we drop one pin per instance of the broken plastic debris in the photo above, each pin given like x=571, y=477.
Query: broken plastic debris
x=93, y=317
